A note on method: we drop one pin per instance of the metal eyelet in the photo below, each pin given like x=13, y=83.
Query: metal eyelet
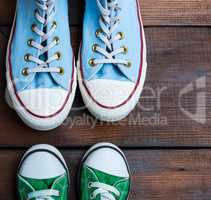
x=121, y=35
x=94, y=47
x=92, y=62
x=129, y=64
x=97, y=33
x=91, y=196
x=54, y=24
x=33, y=27
x=61, y=70
x=26, y=57
x=57, y=40
x=125, y=49
x=25, y=71
x=58, y=56
x=89, y=184
x=29, y=42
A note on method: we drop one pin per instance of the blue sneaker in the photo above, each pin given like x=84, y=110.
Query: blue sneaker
x=41, y=77
x=112, y=62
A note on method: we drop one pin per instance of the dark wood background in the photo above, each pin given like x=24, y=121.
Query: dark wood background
x=169, y=152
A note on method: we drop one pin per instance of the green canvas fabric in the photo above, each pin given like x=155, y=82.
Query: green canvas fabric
x=27, y=185
x=89, y=174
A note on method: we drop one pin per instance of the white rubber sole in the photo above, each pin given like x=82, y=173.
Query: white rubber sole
x=41, y=124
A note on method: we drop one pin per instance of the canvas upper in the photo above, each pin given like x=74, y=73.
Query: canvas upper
x=19, y=47
x=41, y=77
x=90, y=176
x=129, y=26
x=112, y=63
x=104, y=177
x=28, y=186
x=42, y=174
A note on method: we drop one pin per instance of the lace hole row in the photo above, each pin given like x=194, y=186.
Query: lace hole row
x=119, y=34
x=58, y=56
x=56, y=40
x=54, y=24
x=25, y=71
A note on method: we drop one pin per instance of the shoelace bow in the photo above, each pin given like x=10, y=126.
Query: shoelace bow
x=44, y=14
x=105, y=191
x=43, y=195
x=109, y=22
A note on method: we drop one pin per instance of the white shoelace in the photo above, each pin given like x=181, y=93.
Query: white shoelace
x=44, y=14
x=109, y=22
x=43, y=195
x=106, y=192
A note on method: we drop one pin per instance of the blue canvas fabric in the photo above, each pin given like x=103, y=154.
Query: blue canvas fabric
x=130, y=25
x=25, y=17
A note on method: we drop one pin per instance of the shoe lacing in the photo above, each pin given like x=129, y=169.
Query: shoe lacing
x=109, y=22
x=43, y=195
x=44, y=14
x=106, y=192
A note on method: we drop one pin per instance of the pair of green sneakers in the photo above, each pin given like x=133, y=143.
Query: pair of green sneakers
x=104, y=174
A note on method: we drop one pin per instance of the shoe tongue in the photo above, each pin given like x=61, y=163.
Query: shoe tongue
x=41, y=184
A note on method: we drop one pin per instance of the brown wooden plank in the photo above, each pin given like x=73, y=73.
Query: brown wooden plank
x=156, y=175
x=7, y=12
x=176, y=58
x=176, y=12
x=155, y=12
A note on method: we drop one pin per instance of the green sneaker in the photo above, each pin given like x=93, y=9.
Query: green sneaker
x=42, y=175
x=104, y=174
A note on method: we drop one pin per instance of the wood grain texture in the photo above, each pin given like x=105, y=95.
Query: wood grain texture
x=177, y=57
x=155, y=12
x=7, y=12
x=179, y=48
x=156, y=175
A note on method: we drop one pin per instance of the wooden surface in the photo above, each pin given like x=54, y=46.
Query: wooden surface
x=157, y=175
x=155, y=12
x=168, y=149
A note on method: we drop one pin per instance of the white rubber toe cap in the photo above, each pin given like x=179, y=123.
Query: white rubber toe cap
x=108, y=160
x=43, y=102
x=110, y=93
x=42, y=164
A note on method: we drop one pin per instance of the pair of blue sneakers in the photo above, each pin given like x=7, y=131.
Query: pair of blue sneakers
x=41, y=72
